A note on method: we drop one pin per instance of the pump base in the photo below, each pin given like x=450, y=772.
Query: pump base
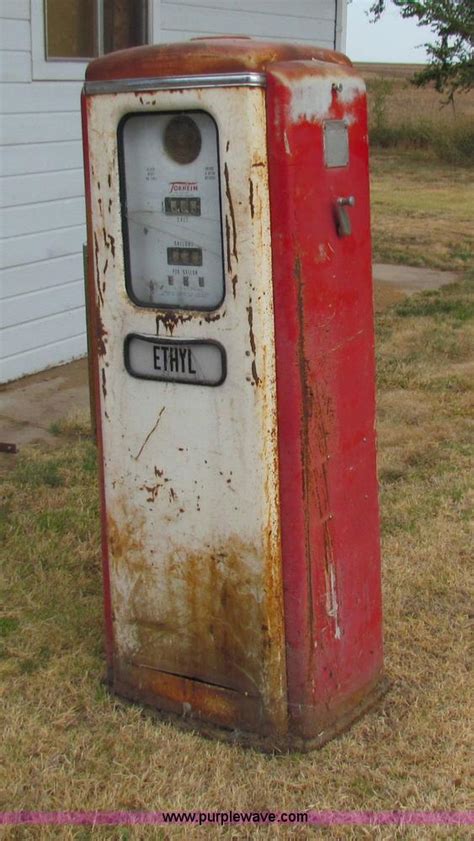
x=161, y=708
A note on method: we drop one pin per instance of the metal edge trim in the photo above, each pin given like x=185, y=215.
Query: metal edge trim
x=214, y=80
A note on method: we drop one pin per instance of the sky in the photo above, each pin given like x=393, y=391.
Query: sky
x=392, y=39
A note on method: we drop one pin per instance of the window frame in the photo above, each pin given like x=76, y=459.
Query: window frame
x=71, y=69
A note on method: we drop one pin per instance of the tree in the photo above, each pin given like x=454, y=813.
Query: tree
x=451, y=56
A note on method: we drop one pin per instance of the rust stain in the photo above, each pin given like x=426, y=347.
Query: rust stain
x=97, y=272
x=203, y=56
x=125, y=539
x=210, y=623
x=101, y=334
x=170, y=320
x=213, y=316
x=109, y=241
x=252, y=209
x=109, y=180
x=103, y=383
x=251, y=333
x=227, y=239
x=255, y=377
x=196, y=699
x=316, y=410
x=231, y=209
x=152, y=491
x=307, y=406
x=234, y=286
x=152, y=430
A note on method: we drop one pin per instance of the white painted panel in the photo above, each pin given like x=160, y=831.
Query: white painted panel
x=46, y=216
x=321, y=9
x=46, y=274
x=55, y=353
x=45, y=246
x=41, y=96
x=54, y=328
x=39, y=128
x=42, y=157
x=19, y=9
x=170, y=35
x=15, y=35
x=46, y=302
x=216, y=446
x=178, y=17
x=15, y=66
x=43, y=186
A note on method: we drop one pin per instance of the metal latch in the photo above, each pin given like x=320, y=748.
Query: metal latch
x=344, y=227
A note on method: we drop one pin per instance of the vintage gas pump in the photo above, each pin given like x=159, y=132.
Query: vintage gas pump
x=229, y=285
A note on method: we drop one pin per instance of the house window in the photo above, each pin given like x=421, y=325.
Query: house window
x=83, y=29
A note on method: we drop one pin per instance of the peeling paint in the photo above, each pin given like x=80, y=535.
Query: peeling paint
x=252, y=209
x=231, y=211
x=304, y=107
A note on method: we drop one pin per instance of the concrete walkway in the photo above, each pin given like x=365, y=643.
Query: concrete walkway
x=29, y=406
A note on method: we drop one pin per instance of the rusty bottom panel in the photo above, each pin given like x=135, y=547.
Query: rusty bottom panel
x=190, y=698
x=227, y=716
x=321, y=729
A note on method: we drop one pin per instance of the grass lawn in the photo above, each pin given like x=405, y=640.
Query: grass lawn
x=68, y=745
x=422, y=211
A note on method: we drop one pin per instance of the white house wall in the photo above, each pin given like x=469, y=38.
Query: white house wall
x=42, y=318
x=311, y=21
x=41, y=209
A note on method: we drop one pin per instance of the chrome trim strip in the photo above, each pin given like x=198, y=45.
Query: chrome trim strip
x=215, y=80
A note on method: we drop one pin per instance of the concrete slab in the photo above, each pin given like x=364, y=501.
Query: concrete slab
x=411, y=279
x=393, y=283
x=29, y=406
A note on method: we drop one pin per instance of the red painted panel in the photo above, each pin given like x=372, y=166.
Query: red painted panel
x=326, y=400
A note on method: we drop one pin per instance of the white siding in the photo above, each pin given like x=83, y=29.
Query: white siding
x=41, y=209
x=42, y=321
x=302, y=20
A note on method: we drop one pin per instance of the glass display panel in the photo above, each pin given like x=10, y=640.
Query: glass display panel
x=169, y=173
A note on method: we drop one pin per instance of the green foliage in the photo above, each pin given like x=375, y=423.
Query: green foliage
x=451, y=55
x=452, y=143
x=379, y=90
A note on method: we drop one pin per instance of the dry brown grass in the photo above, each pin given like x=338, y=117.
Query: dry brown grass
x=66, y=744
x=404, y=117
x=421, y=211
x=424, y=103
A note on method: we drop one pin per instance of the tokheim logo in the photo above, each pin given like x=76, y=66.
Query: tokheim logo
x=179, y=186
